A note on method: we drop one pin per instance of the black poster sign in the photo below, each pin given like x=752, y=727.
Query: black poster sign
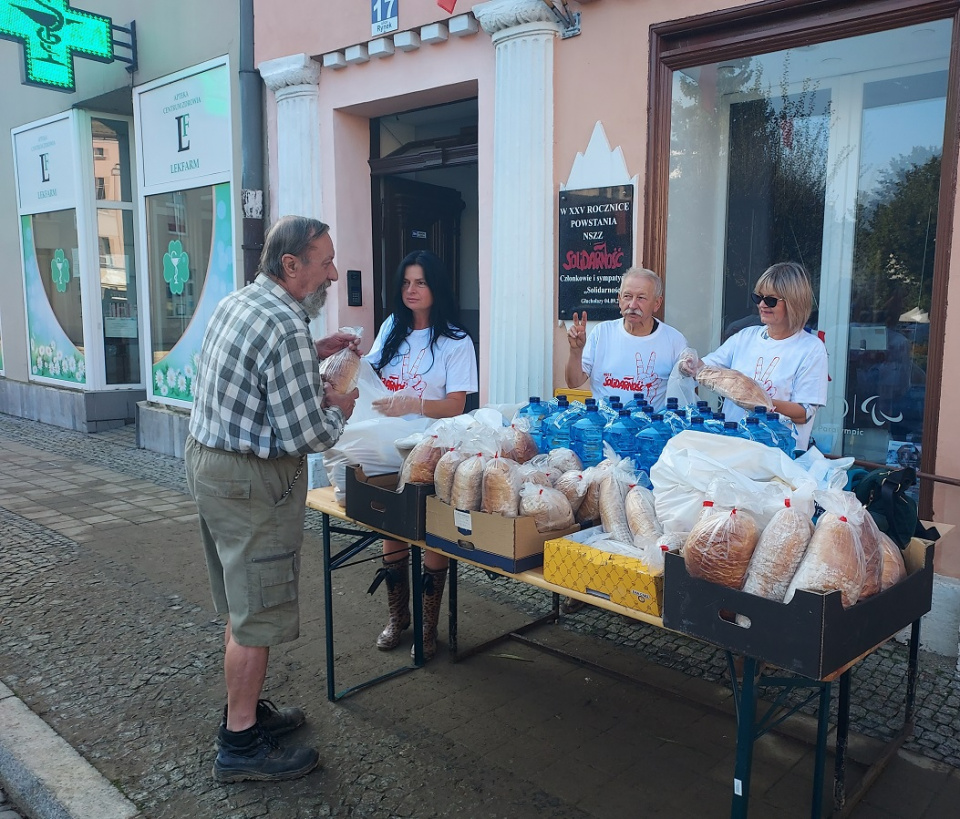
x=596, y=249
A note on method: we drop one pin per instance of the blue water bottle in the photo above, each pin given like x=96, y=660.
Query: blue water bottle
x=621, y=434
x=650, y=442
x=555, y=427
x=586, y=437
x=781, y=433
x=534, y=412
x=714, y=423
x=635, y=403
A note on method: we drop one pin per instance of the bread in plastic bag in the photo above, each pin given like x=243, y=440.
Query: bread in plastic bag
x=538, y=470
x=574, y=485
x=500, y=487
x=517, y=443
x=548, y=507
x=779, y=551
x=341, y=369
x=420, y=465
x=640, y=509
x=894, y=569
x=735, y=385
x=590, y=506
x=720, y=546
x=564, y=459
x=446, y=470
x=834, y=558
x=613, y=516
x=872, y=557
x=467, y=492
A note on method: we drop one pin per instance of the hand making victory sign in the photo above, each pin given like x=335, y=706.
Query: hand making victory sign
x=577, y=333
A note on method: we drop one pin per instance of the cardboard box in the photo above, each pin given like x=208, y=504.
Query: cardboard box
x=510, y=544
x=617, y=578
x=374, y=500
x=812, y=635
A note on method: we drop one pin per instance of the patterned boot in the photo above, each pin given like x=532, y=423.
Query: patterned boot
x=398, y=600
x=433, y=582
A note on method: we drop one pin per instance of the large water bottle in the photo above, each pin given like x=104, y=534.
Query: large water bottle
x=636, y=403
x=752, y=429
x=781, y=432
x=586, y=437
x=621, y=434
x=676, y=419
x=714, y=423
x=698, y=410
x=534, y=412
x=650, y=442
x=696, y=424
x=556, y=426
x=731, y=429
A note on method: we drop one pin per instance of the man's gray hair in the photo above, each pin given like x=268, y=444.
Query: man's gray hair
x=290, y=234
x=649, y=275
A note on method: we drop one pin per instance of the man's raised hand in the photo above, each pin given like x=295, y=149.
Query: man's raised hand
x=577, y=333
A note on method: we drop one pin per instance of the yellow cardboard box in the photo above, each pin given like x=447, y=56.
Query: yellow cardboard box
x=617, y=578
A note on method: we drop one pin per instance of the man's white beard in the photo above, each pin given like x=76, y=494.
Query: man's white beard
x=313, y=303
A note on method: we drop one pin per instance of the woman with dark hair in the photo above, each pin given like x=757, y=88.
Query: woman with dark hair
x=426, y=359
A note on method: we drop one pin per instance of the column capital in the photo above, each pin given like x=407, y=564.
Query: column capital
x=293, y=70
x=497, y=15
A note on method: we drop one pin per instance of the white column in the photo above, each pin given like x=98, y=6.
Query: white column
x=293, y=81
x=523, y=275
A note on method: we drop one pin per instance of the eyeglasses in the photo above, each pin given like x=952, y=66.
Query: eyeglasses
x=769, y=301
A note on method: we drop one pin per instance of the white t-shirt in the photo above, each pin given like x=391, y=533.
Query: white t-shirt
x=791, y=369
x=621, y=364
x=414, y=367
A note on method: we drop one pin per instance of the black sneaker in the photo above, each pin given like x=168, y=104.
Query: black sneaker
x=263, y=760
x=275, y=721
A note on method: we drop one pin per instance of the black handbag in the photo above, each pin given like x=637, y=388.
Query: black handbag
x=884, y=493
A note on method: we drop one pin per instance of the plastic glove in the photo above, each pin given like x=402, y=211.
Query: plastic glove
x=404, y=402
x=690, y=363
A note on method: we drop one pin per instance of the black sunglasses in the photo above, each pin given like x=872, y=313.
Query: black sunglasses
x=770, y=301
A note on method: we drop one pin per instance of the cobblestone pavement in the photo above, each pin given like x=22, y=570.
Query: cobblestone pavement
x=106, y=631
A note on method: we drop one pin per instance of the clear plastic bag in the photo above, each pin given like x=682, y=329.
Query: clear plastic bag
x=574, y=486
x=681, y=384
x=446, y=470
x=517, y=443
x=834, y=557
x=564, y=459
x=735, y=385
x=894, y=569
x=779, y=552
x=500, y=487
x=342, y=369
x=720, y=546
x=641, y=512
x=549, y=508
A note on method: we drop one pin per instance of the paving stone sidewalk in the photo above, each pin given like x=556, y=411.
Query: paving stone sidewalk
x=106, y=631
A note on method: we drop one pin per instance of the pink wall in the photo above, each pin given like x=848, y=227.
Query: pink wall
x=314, y=27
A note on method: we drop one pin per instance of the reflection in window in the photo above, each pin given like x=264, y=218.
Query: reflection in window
x=826, y=154
x=179, y=235
x=111, y=159
x=118, y=296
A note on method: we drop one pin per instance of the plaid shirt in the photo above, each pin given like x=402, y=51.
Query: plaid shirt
x=258, y=386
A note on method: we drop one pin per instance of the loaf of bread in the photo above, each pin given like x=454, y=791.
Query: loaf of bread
x=467, y=490
x=893, y=568
x=872, y=557
x=341, y=370
x=564, y=459
x=834, y=560
x=518, y=444
x=778, y=554
x=720, y=546
x=420, y=465
x=574, y=487
x=444, y=473
x=613, y=514
x=549, y=508
x=589, y=510
x=641, y=512
x=501, y=487
x=733, y=384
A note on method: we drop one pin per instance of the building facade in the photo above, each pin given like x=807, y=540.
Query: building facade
x=542, y=148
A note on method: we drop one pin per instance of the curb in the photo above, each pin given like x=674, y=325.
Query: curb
x=47, y=777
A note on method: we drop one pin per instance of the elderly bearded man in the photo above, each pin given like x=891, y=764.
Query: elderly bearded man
x=259, y=409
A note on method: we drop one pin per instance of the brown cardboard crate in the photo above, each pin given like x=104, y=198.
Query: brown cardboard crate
x=614, y=577
x=511, y=544
x=812, y=635
x=374, y=500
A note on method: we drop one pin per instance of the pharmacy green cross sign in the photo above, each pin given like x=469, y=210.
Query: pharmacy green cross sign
x=52, y=33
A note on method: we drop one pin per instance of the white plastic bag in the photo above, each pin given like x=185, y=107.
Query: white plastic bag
x=763, y=476
x=681, y=386
x=370, y=388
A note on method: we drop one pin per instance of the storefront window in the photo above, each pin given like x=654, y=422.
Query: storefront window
x=54, y=305
x=826, y=154
x=180, y=228
x=111, y=159
x=118, y=295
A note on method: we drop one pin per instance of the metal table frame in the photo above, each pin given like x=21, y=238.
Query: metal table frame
x=745, y=692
